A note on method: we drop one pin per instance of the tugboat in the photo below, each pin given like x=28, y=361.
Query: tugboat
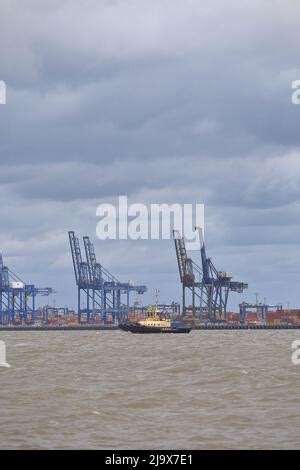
x=154, y=323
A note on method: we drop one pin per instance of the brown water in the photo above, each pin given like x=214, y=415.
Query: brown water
x=105, y=390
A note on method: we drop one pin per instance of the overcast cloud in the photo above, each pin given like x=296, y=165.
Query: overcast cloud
x=164, y=101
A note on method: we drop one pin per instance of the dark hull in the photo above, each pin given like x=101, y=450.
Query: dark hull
x=136, y=328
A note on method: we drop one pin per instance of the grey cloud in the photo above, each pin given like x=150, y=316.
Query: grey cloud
x=163, y=101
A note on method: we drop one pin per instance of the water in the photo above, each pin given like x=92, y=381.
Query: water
x=111, y=389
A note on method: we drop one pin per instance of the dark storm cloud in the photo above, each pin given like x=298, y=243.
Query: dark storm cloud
x=163, y=101
x=139, y=90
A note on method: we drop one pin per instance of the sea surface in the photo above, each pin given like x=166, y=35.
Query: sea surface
x=117, y=390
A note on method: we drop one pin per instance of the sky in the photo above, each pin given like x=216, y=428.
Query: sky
x=162, y=101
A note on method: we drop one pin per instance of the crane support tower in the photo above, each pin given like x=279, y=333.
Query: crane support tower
x=260, y=309
x=209, y=288
x=98, y=291
x=17, y=299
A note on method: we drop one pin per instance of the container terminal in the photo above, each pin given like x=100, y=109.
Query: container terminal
x=103, y=301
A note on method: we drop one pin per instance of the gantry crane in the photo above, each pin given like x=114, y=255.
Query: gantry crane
x=17, y=299
x=102, y=292
x=209, y=287
x=260, y=309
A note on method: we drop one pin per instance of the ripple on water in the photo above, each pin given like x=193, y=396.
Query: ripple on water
x=212, y=389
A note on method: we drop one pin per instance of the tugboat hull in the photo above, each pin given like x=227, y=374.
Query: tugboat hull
x=137, y=328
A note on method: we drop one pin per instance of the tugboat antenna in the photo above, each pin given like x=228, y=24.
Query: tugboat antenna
x=156, y=297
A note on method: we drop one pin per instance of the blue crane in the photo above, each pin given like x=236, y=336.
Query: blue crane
x=101, y=291
x=207, y=285
x=261, y=310
x=17, y=299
